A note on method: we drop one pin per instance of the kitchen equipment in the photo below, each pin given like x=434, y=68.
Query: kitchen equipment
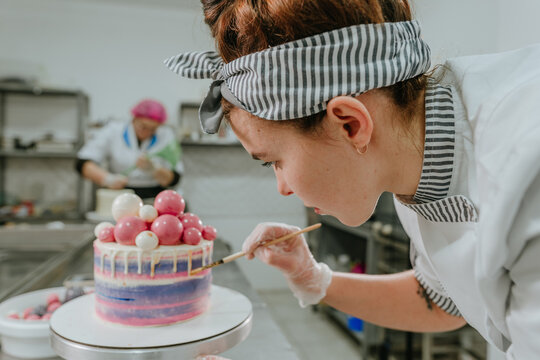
x=27, y=339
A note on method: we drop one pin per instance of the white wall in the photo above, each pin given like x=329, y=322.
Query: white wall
x=112, y=50
x=464, y=27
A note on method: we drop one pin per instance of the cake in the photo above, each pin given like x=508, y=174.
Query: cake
x=143, y=263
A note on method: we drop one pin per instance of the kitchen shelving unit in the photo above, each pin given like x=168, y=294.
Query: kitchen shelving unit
x=81, y=102
x=379, y=247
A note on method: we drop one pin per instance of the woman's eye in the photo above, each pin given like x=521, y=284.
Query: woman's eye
x=267, y=163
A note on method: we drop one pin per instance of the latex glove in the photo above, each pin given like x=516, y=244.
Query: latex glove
x=114, y=181
x=163, y=176
x=307, y=279
x=210, y=357
x=144, y=163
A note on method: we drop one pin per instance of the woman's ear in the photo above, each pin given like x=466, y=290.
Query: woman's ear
x=352, y=119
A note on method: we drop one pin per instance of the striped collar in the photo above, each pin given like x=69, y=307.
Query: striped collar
x=439, y=145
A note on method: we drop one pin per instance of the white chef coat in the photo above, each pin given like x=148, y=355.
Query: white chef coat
x=117, y=145
x=475, y=230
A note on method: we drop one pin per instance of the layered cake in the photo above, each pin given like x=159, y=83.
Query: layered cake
x=143, y=263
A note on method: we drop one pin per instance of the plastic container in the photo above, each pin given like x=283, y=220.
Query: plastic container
x=355, y=324
x=26, y=339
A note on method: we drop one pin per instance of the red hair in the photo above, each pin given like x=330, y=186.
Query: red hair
x=242, y=27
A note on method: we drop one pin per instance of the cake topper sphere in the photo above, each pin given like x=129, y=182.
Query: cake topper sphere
x=126, y=205
x=148, y=213
x=190, y=220
x=192, y=236
x=169, y=202
x=147, y=240
x=127, y=229
x=168, y=229
x=209, y=232
x=106, y=234
x=101, y=226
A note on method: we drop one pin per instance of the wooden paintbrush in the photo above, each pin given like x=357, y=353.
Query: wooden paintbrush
x=268, y=243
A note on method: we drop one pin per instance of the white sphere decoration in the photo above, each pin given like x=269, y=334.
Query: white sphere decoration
x=147, y=240
x=101, y=226
x=148, y=213
x=126, y=205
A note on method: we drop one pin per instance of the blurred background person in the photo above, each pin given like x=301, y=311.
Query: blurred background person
x=141, y=154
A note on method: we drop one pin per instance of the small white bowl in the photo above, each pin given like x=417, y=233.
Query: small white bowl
x=27, y=339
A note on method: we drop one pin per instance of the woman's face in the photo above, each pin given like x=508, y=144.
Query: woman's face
x=145, y=128
x=324, y=171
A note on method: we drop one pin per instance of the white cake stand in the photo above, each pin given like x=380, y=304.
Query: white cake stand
x=77, y=332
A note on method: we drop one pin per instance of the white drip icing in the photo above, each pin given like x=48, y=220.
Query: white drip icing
x=126, y=264
x=177, y=253
x=112, y=260
x=203, y=255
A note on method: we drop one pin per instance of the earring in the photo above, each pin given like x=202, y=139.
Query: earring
x=363, y=151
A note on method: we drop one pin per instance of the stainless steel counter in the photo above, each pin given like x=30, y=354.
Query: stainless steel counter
x=266, y=340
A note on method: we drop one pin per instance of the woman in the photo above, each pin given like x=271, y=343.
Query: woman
x=142, y=154
x=334, y=97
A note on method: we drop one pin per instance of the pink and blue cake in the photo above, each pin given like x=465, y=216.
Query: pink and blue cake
x=143, y=263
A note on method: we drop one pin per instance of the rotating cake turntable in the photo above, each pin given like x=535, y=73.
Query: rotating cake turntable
x=77, y=332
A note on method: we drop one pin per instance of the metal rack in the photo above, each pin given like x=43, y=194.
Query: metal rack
x=82, y=103
x=382, y=248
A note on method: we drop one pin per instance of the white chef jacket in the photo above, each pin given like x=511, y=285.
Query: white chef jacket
x=474, y=222
x=117, y=145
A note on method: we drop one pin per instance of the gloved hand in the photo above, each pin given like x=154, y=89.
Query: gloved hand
x=114, y=181
x=163, y=176
x=307, y=279
x=144, y=163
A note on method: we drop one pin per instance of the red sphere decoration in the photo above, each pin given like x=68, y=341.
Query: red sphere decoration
x=190, y=220
x=127, y=229
x=168, y=229
x=169, y=202
x=192, y=236
x=209, y=232
x=107, y=234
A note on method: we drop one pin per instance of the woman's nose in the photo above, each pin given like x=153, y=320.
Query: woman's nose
x=283, y=187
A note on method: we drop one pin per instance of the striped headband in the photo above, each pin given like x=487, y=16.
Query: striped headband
x=298, y=78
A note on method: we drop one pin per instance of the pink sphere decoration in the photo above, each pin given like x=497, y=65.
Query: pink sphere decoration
x=53, y=306
x=127, y=229
x=52, y=298
x=27, y=312
x=190, y=220
x=13, y=315
x=168, y=229
x=107, y=234
x=209, y=232
x=169, y=202
x=192, y=236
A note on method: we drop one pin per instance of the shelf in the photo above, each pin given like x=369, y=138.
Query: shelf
x=38, y=154
x=38, y=91
x=232, y=143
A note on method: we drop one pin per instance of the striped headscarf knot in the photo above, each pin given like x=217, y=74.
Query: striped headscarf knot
x=298, y=78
